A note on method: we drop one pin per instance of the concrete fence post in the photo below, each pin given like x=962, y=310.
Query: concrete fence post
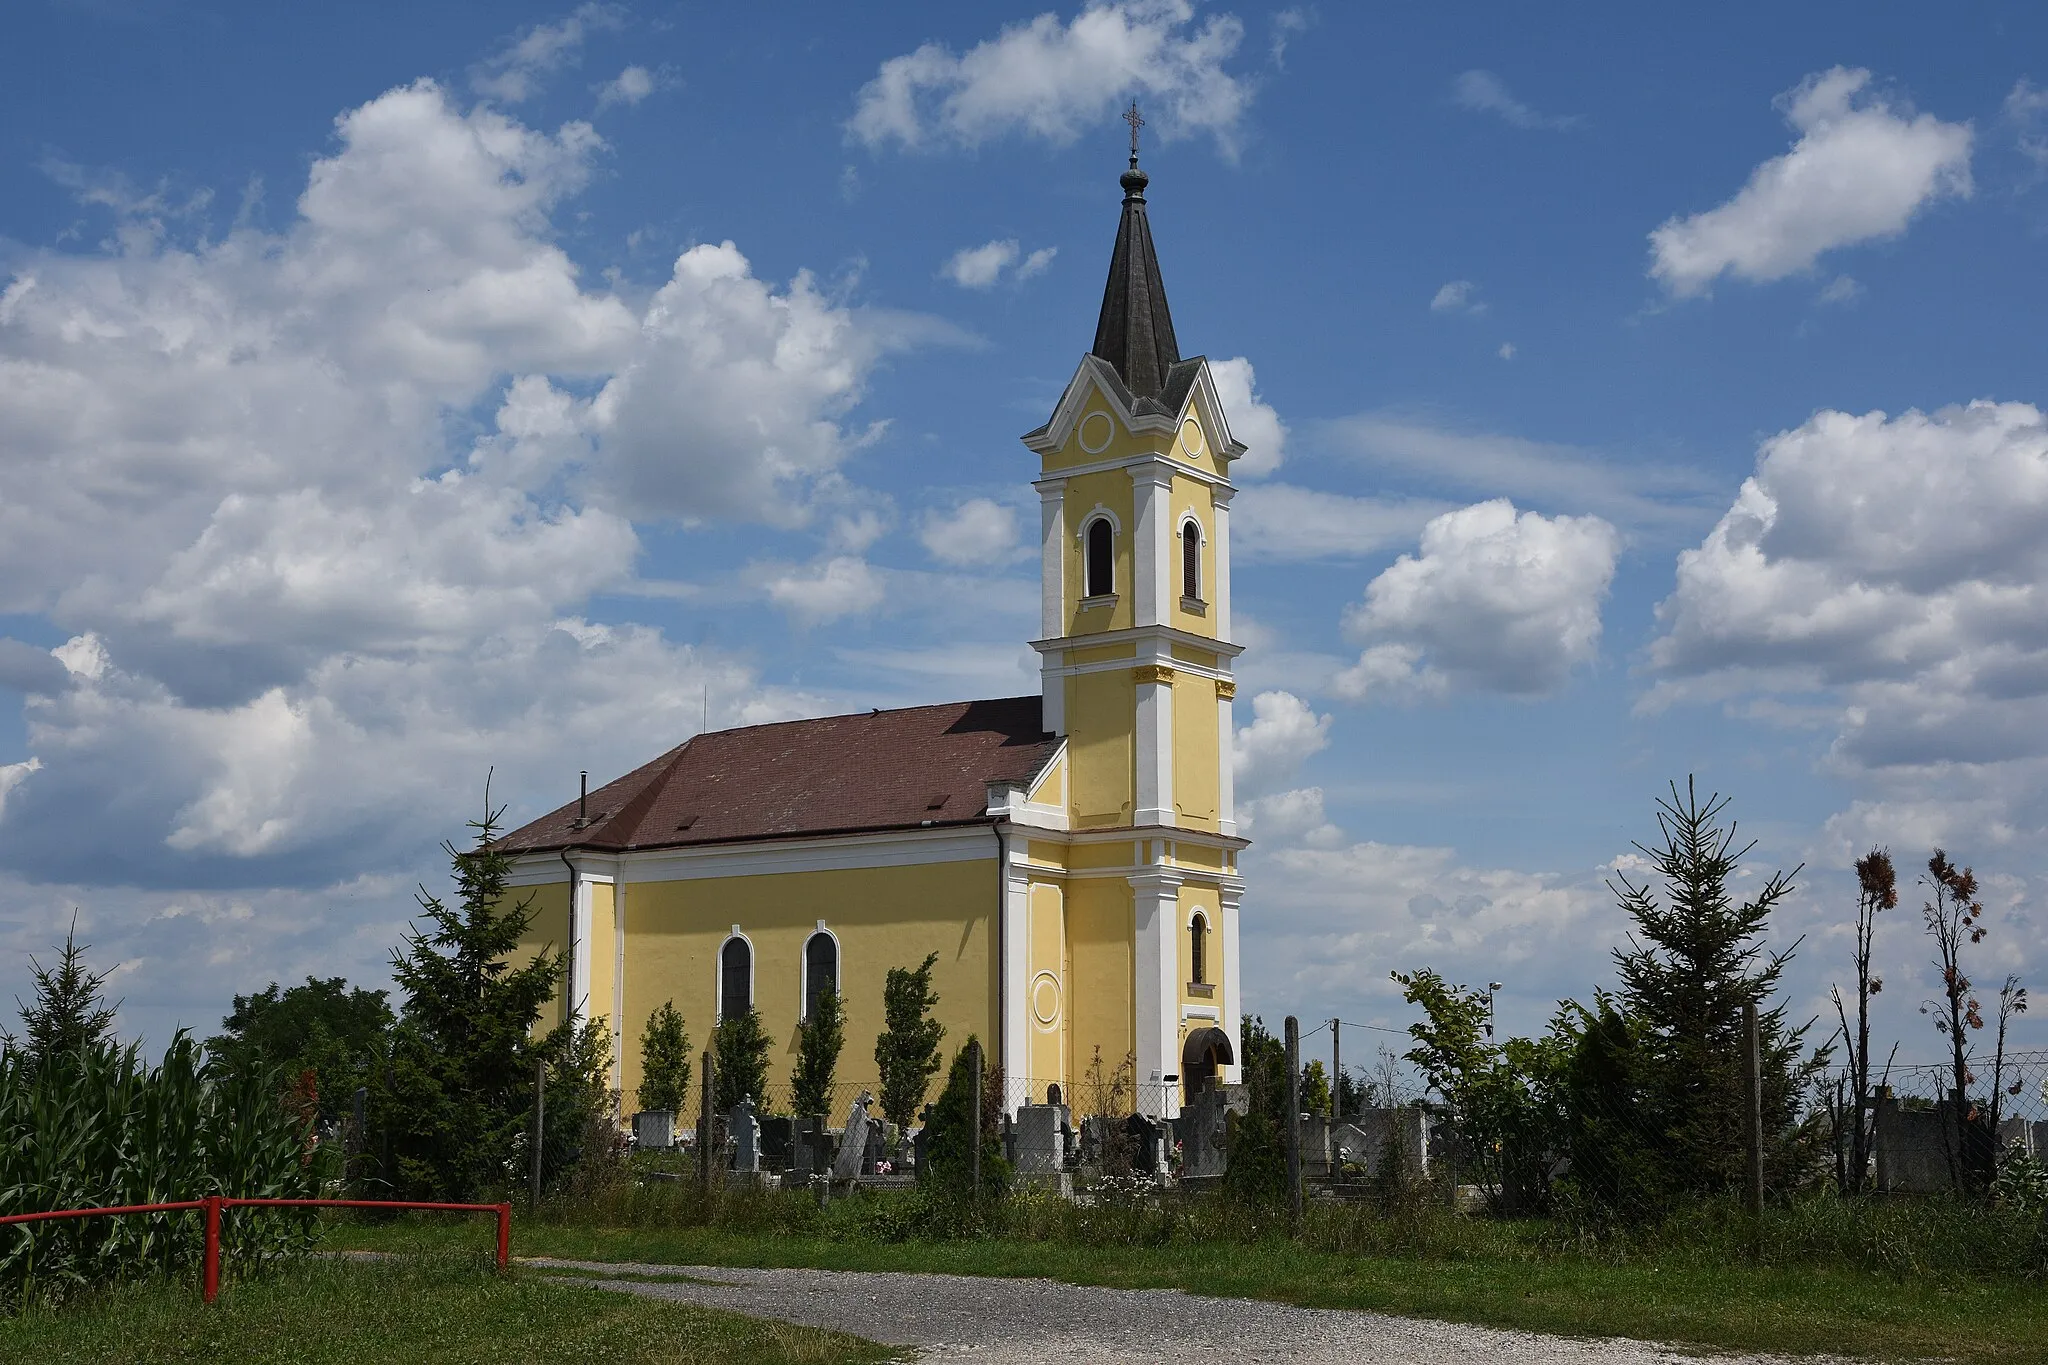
x=1293, y=1123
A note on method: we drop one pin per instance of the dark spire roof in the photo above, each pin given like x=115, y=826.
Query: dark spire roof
x=1135, y=333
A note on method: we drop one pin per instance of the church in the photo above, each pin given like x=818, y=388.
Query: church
x=1071, y=857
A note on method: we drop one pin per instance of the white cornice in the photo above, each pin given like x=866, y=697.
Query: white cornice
x=832, y=853
x=1134, y=634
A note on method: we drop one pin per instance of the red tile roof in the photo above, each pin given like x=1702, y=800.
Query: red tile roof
x=877, y=770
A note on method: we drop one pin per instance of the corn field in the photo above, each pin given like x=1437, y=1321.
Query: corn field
x=105, y=1128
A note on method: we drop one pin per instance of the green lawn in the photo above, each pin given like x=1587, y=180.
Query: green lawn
x=1777, y=1308
x=438, y=1309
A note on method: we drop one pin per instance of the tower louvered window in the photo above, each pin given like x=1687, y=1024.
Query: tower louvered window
x=1191, y=561
x=1101, y=558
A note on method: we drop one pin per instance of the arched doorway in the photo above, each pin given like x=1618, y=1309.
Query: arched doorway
x=1202, y=1057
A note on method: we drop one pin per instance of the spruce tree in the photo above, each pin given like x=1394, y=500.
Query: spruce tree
x=949, y=1149
x=907, y=1051
x=818, y=1045
x=1695, y=957
x=68, y=1015
x=665, y=1061
x=739, y=1047
x=460, y=1085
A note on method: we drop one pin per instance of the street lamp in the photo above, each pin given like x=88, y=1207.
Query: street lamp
x=1491, y=987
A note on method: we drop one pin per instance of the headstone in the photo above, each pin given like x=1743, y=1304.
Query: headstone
x=1038, y=1139
x=1053, y=1095
x=654, y=1129
x=919, y=1141
x=1204, y=1130
x=804, y=1142
x=1148, y=1144
x=877, y=1150
x=1094, y=1129
x=853, y=1141
x=2040, y=1135
x=778, y=1141
x=1315, y=1147
x=2013, y=1132
x=745, y=1132
x=1924, y=1151
x=1362, y=1142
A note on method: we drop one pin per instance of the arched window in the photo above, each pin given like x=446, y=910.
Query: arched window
x=1101, y=558
x=1198, y=965
x=821, y=969
x=735, y=978
x=1191, y=561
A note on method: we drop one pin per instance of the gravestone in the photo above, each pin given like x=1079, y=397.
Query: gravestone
x=778, y=1141
x=2015, y=1131
x=853, y=1141
x=877, y=1150
x=1094, y=1129
x=920, y=1141
x=1148, y=1144
x=1315, y=1147
x=654, y=1129
x=1363, y=1141
x=2040, y=1134
x=1038, y=1138
x=805, y=1143
x=1925, y=1151
x=745, y=1132
x=1204, y=1130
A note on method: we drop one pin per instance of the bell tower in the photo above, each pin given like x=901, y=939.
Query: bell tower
x=1136, y=659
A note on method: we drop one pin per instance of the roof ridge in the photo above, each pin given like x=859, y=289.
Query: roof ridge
x=858, y=715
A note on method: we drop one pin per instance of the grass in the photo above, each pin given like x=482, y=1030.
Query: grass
x=1782, y=1307
x=437, y=1308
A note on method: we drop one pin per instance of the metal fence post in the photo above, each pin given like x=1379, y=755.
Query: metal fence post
x=1336, y=1076
x=540, y=1114
x=974, y=1115
x=504, y=1235
x=209, y=1288
x=1293, y=1123
x=705, y=1128
x=1753, y=1105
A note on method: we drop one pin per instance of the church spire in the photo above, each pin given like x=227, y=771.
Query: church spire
x=1135, y=332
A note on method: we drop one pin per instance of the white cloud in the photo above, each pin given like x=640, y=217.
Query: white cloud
x=1507, y=350
x=1636, y=491
x=1051, y=79
x=1841, y=289
x=1281, y=522
x=518, y=71
x=1269, y=752
x=629, y=87
x=1485, y=93
x=1458, y=296
x=1495, y=601
x=979, y=267
x=844, y=585
x=978, y=531
x=1287, y=24
x=1289, y=818
x=1862, y=167
x=322, y=508
x=1252, y=420
x=1897, y=567
x=12, y=775
x=2026, y=108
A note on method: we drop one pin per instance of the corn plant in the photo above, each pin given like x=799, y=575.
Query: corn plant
x=103, y=1127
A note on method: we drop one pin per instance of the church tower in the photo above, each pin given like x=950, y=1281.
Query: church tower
x=1136, y=656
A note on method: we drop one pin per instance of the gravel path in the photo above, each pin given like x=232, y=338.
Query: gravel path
x=1026, y=1322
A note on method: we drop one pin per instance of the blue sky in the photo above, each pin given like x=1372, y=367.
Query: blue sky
x=389, y=394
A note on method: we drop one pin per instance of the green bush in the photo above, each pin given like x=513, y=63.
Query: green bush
x=105, y=1128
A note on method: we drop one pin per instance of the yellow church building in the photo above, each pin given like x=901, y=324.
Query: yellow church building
x=1071, y=857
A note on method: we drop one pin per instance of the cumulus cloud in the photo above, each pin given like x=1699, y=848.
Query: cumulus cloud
x=979, y=267
x=1485, y=93
x=1289, y=817
x=630, y=86
x=1269, y=752
x=2026, y=108
x=1281, y=522
x=1495, y=601
x=1862, y=167
x=844, y=585
x=1050, y=79
x=1458, y=296
x=322, y=508
x=1897, y=567
x=521, y=67
x=978, y=531
x=1252, y=420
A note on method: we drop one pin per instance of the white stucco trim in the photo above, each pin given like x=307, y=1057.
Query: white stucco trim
x=1155, y=894
x=1228, y=899
x=1016, y=964
x=1052, y=564
x=580, y=947
x=1226, y=774
x=825, y=853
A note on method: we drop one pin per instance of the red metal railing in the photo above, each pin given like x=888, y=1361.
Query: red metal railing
x=213, y=1204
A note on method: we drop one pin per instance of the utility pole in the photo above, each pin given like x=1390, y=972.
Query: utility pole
x=1293, y=1124
x=1753, y=1102
x=1336, y=1076
x=974, y=1115
x=540, y=1111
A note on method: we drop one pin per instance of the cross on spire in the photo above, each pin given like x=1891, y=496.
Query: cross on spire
x=1131, y=117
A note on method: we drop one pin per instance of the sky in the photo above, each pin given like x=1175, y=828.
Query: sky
x=396, y=396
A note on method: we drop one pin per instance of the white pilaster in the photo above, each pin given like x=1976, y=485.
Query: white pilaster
x=1226, y=782
x=1221, y=592
x=1154, y=749
x=1227, y=900
x=1156, y=903
x=1152, y=545
x=1052, y=562
x=579, y=952
x=1016, y=1035
x=619, y=980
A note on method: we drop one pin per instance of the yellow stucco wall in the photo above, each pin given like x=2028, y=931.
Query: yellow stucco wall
x=547, y=930
x=884, y=917
x=1192, y=497
x=1193, y=897
x=1101, y=715
x=603, y=955
x=1197, y=781
x=1111, y=491
x=1099, y=947
x=1046, y=996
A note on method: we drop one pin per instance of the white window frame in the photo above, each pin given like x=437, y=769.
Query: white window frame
x=803, y=970
x=718, y=974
